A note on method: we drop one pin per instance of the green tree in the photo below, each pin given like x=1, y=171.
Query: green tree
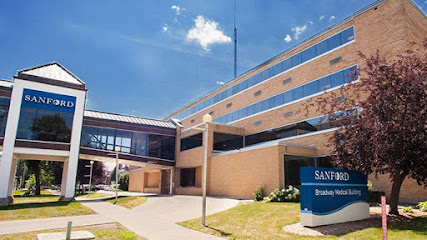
x=124, y=181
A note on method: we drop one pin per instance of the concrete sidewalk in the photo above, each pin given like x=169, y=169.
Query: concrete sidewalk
x=156, y=219
x=32, y=225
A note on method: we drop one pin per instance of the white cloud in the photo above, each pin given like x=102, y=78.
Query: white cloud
x=311, y=22
x=165, y=28
x=332, y=18
x=299, y=30
x=321, y=18
x=287, y=38
x=177, y=9
x=220, y=82
x=206, y=32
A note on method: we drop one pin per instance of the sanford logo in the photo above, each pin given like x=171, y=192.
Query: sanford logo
x=331, y=175
x=49, y=101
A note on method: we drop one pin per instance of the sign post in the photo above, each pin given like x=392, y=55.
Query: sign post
x=384, y=217
x=331, y=196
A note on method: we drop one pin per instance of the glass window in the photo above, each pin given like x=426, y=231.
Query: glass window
x=235, y=89
x=324, y=83
x=229, y=117
x=259, y=138
x=350, y=74
x=347, y=35
x=324, y=162
x=292, y=168
x=297, y=93
x=251, y=81
x=161, y=146
x=188, y=177
x=296, y=59
x=322, y=47
x=224, y=95
x=258, y=107
x=265, y=74
x=271, y=72
x=243, y=113
x=251, y=109
x=234, y=116
x=311, y=88
x=258, y=78
x=337, y=79
x=287, y=96
x=243, y=85
x=277, y=68
x=217, y=98
x=278, y=99
x=286, y=64
x=334, y=41
x=308, y=54
x=139, y=143
x=191, y=142
x=272, y=102
x=226, y=142
x=266, y=104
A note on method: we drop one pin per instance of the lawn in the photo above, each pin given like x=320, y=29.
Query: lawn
x=265, y=221
x=21, y=192
x=129, y=201
x=43, y=206
x=102, y=232
x=94, y=195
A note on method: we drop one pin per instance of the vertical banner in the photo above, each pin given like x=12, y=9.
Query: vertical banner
x=331, y=196
x=384, y=217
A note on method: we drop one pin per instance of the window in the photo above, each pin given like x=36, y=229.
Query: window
x=296, y=59
x=228, y=105
x=192, y=142
x=309, y=53
x=225, y=142
x=297, y=93
x=287, y=96
x=337, y=79
x=325, y=83
x=322, y=47
x=286, y=64
x=4, y=109
x=334, y=41
x=311, y=88
x=347, y=35
x=160, y=146
x=278, y=100
x=294, y=163
x=257, y=93
x=188, y=177
x=286, y=81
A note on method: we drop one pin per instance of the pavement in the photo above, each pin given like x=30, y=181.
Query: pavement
x=155, y=219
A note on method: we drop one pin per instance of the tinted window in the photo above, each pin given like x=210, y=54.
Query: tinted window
x=337, y=79
x=297, y=93
x=191, y=142
x=286, y=64
x=287, y=96
x=265, y=104
x=334, y=41
x=278, y=100
x=258, y=78
x=264, y=74
x=322, y=47
x=251, y=109
x=188, y=177
x=258, y=107
x=296, y=59
x=324, y=83
x=277, y=68
x=347, y=35
x=311, y=88
x=225, y=142
x=308, y=53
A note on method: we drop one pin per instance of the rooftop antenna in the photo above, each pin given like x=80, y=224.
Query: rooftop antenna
x=235, y=40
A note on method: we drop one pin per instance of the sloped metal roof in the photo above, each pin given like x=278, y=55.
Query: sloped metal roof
x=128, y=119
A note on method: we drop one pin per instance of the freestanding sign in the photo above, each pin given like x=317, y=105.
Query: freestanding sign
x=331, y=195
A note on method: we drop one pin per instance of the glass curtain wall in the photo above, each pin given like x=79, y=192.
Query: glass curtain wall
x=294, y=163
x=4, y=109
x=138, y=143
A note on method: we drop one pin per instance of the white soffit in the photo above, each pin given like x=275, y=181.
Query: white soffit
x=53, y=71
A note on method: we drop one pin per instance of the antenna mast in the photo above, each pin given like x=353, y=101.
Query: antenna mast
x=235, y=40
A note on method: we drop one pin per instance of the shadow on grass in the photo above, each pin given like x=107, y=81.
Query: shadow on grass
x=223, y=234
x=26, y=205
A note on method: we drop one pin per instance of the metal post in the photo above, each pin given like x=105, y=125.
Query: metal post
x=68, y=234
x=90, y=177
x=117, y=175
x=205, y=167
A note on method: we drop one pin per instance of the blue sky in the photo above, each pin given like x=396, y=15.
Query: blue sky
x=149, y=58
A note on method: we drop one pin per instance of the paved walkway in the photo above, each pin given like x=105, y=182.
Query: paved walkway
x=154, y=220
x=157, y=217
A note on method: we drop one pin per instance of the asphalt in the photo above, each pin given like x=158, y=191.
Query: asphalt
x=155, y=219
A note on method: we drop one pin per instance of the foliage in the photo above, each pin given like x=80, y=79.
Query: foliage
x=259, y=194
x=31, y=181
x=290, y=194
x=370, y=188
x=124, y=181
x=99, y=173
x=382, y=119
x=51, y=128
x=422, y=206
x=408, y=209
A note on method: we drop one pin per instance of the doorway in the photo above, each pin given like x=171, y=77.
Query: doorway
x=166, y=177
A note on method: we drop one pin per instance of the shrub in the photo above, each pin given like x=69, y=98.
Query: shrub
x=370, y=188
x=259, y=194
x=408, y=209
x=422, y=206
x=290, y=194
x=124, y=181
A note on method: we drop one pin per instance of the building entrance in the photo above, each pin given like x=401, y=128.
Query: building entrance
x=166, y=181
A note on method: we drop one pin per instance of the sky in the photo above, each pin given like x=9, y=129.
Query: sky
x=150, y=58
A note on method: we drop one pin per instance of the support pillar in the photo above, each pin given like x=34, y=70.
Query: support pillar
x=7, y=175
x=68, y=182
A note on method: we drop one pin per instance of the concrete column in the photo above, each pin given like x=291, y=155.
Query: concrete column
x=171, y=181
x=68, y=182
x=64, y=180
x=12, y=179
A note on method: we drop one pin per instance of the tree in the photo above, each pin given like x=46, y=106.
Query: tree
x=98, y=173
x=124, y=181
x=383, y=120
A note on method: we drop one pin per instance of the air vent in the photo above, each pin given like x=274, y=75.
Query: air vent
x=229, y=105
x=335, y=60
x=286, y=81
x=257, y=93
x=257, y=123
x=337, y=100
x=192, y=121
x=288, y=114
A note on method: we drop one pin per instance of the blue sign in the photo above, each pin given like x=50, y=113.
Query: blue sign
x=331, y=195
x=48, y=101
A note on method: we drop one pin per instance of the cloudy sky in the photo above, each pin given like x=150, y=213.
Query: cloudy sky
x=149, y=58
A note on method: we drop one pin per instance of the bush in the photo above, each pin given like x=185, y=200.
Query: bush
x=422, y=206
x=370, y=188
x=408, y=209
x=259, y=194
x=124, y=181
x=290, y=194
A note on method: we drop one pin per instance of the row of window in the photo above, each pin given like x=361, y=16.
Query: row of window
x=138, y=143
x=305, y=90
x=4, y=109
x=303, y=56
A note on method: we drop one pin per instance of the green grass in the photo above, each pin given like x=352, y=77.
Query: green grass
x=21, y=192
x=102, y=232
x=129, y=201
x=94, y=195
x=43, y=206
x=265, y=221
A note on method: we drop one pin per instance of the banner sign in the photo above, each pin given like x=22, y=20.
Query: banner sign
x=331, y=195
x=48, y=101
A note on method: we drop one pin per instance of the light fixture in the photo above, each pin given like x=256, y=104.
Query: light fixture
x=207, y=118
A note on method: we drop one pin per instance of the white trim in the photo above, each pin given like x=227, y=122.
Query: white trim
x=268, y=79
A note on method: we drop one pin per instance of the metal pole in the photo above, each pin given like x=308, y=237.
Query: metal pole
x=90, y=177
x=235, y=40
x=117, y=174
x=68, y=234
x=205, y=167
